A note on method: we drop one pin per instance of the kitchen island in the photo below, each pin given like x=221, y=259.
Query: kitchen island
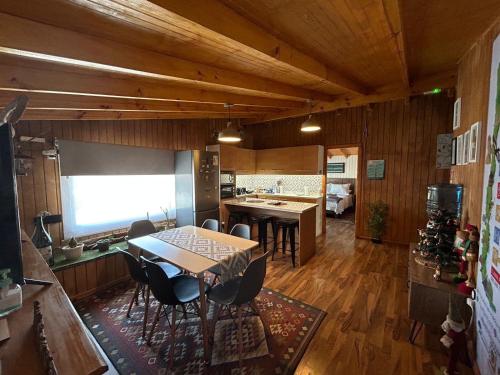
x=304, y=212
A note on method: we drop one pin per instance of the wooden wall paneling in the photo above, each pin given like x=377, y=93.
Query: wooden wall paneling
x=69, y=281
x=91, y=271
x=40, y=190
x=403, y=133
x=60, y=277
x=81, y=279
x=101, y=271
x=473, y=87
x=110, y=269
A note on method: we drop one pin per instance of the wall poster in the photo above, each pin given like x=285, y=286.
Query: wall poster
x=488, y=278
x=443, y=152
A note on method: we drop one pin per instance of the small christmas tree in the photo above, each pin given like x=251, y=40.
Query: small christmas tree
x=436, y=240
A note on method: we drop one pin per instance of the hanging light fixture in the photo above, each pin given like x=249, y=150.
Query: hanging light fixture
x=230, y=134
x=310, y=125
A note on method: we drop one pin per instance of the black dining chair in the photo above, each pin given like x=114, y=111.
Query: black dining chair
x=211, y=224
x=138, y=229
x=239, y=230
x=239, y=292
x=139, y=275
x=179, y=290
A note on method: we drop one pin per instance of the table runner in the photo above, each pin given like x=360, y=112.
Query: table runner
x=232, y=260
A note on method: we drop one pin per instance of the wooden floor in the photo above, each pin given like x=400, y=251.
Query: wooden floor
x=363, y=288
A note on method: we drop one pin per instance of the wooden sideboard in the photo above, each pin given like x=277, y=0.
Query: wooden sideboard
x=428, y=299
x=71, y=347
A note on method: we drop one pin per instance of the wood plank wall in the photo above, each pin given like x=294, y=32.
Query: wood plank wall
x=473, y=87
x=403, y=133
x=39, y=191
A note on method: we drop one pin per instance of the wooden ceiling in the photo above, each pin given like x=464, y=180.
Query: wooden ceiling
x=119, y=59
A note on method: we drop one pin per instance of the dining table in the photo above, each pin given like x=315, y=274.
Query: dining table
x=196, y=250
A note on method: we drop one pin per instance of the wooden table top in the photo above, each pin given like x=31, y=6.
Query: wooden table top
x=186, y=259
x=71, y=347
x=289, y=206
x=424, y=275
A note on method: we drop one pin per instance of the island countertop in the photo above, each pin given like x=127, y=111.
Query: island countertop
x=286, y=206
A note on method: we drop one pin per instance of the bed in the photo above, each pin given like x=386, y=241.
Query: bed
x=339, y=197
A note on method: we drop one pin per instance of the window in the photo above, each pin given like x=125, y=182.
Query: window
x=96, y=204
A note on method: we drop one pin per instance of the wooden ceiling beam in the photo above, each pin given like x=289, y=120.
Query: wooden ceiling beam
x=442, y=80
x=39, y=100
x=393, y=16
x=213, y=19
x=49, y=43
x=17, y=77
x=71, y=114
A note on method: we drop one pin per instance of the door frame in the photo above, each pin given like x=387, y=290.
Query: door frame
x=359, y=184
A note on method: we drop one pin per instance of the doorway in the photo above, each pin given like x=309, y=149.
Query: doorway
x=342, y=187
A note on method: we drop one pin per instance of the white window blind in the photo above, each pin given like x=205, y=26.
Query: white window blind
x=96, y=204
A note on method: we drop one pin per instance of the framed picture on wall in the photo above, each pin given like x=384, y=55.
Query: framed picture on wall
x=466, y=146
x=460, y=149
x=454, y=151
x=457, y=110
x=474, y=143
x=376, y=169
x=336, y=167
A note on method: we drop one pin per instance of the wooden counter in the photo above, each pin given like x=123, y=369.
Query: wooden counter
x=71, y=347
x=304, y=212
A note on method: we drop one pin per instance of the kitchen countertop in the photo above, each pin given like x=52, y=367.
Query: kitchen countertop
x=291, y=195
x=295, y=207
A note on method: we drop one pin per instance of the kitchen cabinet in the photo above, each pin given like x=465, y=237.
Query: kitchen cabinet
x=290, y=160
x=301, y=160
x=232, y=158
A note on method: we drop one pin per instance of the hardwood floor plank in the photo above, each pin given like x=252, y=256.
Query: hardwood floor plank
x=363, y=289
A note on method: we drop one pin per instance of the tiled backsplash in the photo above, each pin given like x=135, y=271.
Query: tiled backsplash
x=291, y=183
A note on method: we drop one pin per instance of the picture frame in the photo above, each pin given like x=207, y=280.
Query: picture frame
x=376, y=169
x=336, y=168
x=466, y=147
x=457, y=112
x=454, y=151
x=474, y=142
x=460, y=149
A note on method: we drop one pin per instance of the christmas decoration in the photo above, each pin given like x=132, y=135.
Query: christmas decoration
x=436, y=241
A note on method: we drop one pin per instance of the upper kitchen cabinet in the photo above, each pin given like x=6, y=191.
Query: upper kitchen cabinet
x=290, y=160
x=232, y=158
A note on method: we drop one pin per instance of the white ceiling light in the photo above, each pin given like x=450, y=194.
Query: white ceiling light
x=230, y=134
x=310, y=125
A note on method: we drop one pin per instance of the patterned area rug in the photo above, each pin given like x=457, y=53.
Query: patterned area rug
x=291, y=322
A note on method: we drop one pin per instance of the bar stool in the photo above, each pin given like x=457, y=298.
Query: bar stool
x=236, y=217
x=262, y=221
x=287, y=226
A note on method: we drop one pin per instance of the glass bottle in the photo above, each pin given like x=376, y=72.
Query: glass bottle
x=42, y=240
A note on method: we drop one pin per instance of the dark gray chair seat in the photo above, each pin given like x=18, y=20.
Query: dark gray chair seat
x=225, y=294
x=169, y=269
x=186, y=288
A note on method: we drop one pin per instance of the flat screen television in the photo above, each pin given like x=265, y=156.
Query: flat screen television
x=10, y=230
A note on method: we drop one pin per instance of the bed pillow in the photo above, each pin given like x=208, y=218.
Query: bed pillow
x=346, y=189
x=340, y=189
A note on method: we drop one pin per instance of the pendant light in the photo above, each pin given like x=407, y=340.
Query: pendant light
x=310, y=125
x=230, y=134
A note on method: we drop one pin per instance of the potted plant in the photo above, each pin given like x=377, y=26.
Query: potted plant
x=73, y=250
x=377, y=214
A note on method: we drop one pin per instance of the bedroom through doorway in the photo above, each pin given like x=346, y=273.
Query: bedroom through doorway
x=341, y=187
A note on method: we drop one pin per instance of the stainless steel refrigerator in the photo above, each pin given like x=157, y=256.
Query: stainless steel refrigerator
x=197, y=193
